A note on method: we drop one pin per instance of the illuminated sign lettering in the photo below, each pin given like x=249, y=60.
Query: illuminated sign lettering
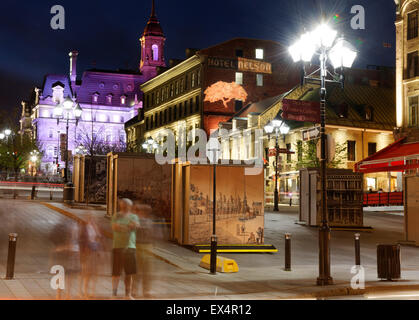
x=254, y=66
x=240, y=64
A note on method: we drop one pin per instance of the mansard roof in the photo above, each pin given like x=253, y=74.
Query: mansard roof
x=109, y=83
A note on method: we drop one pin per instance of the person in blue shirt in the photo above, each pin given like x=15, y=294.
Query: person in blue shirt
x=124, y=226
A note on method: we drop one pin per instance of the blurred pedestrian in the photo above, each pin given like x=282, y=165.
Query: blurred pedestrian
x=146, y=235
x=67, y=255
x=124, y=226
x=91, y=246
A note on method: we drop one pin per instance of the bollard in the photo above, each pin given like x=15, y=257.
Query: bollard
x=33, y=193
x=213, y=261
x=287, y=252
x=11, y=255
x=50, y=195
x=357, y=249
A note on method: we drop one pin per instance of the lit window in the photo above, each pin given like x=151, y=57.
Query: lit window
x=239, y=78
x=109, y=99
x=122, y=136
x=259, y=80
x=155, y=49
x=123, y=100
x=413, y=111
x=372, y=183
x=193, y=80
x=95, y=98
x=259, y=54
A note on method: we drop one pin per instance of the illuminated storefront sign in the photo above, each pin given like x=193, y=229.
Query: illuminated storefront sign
x=240, y=64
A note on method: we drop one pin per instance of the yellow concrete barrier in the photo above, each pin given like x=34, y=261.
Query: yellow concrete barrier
x=224, y=265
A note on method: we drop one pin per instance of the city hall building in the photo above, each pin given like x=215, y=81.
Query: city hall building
x=108, y=99
x=210, y=87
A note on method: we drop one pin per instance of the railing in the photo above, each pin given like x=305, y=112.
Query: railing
x=383, y=199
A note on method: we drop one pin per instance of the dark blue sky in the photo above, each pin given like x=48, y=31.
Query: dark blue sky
x=106, y=33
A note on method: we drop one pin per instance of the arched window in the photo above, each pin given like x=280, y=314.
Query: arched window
x=155, y=49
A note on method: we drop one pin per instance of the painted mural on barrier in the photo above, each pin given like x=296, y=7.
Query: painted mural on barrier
x=240, y=208
x=146, y=182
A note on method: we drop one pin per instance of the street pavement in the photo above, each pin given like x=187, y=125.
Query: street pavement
x=176, y=273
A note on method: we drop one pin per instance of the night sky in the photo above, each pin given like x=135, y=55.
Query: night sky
x=106, y=33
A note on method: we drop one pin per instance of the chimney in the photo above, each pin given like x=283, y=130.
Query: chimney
x=73, y=67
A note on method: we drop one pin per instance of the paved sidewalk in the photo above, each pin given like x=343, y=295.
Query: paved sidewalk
x=258, y=280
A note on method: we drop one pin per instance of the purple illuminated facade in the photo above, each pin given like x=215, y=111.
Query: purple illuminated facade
x=108, y=99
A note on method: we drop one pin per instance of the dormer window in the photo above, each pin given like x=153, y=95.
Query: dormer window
x=369, y=113
x=123, y=100
x=58, y=92
x=95, y=97
x=109, y=99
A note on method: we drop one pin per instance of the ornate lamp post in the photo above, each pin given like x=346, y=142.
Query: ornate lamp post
x=279, y=127
x=66, y=111
x=323, y=42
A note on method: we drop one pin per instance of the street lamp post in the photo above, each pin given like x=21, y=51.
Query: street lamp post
x=213, y=146
x=323, y=42
x=276, y=126
x=63, y=112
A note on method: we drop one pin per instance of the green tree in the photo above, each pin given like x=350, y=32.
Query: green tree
x=308, y=157
x=15, y=151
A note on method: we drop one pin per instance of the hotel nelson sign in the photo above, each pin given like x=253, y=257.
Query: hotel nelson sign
x=240, y=64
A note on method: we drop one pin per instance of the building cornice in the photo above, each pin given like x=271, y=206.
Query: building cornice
x=171, y=73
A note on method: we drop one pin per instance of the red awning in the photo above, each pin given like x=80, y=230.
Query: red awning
x=396, y=157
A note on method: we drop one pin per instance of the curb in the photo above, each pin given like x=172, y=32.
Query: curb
x=347, y=291
x=104, y=232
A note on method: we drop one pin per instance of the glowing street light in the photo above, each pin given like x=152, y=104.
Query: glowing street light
x=150, y=145
x=323, y=41
x=62, y=111
x=280, y=128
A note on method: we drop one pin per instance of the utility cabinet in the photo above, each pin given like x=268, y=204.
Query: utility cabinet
x=344, y=197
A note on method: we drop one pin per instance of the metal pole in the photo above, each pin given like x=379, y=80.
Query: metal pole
x=11, y=255
x=66, y=153
x=324, y=231
x=287, y=252
x=357, y=249
x=276, y=195
x=213, y=265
